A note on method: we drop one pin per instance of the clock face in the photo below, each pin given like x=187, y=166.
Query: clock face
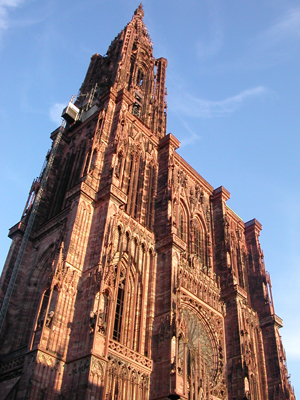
x=197, y=351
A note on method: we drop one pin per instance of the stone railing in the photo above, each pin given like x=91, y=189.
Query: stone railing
x=131, y=354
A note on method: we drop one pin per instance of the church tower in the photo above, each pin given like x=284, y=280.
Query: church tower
x=136, y=281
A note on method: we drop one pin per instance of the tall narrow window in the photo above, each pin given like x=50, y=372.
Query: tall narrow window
x=131, y=72
x=87, y=163
x=240, y=267
x=197, y=238
x=140, y=78
x=130, y=183
x=135, y=254
x=105, y=306
x=151, y=197
x=119, y=236
x=200, y=242
x=127, y=242
x=78, y=167
x=94, y=158
x=61, y=186
x=138, y=196
x=181, y=226
x=43, y=310
x=182, y=223
x=119, y=313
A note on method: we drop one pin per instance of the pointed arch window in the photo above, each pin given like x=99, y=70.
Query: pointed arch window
x=130, y=182
x=119, y=313
x=135, y=251
x=127, y=242
x=182, y=223
x=140, y=78
x=119, y=237
x=104, y=311
x=199, y=242
x=87, y=162
x=93, y=162
x=139, y=190
x=79, y=161
x=43, y=310
x=62, y=184
x=197, y=238
x=151, y=176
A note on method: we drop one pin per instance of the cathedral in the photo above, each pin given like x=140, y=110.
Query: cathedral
x=128, y=276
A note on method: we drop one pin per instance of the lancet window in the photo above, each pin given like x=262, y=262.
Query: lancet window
x=140, y=78
x=43, y=309
x=93, y=162
x=130, y=182
x=182, y=223
x=138, y=180
x=150, y=305
x=87, y=162
x=104, y=311
x=199, y=241
x=240, y=267
x=62, y=184
x=139, y=190
x=152, y=176
x=119, y=238
x=119, y=313
x=130, y=316
x=78, y=165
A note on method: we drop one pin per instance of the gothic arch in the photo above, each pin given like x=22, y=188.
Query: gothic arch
x=183, y=221
x=199, y=235
x=145, y=244
x=39, y=275
x=93, y=162
x=118, y=237
x=127, y=240
x=87, y=161
x=40, y=278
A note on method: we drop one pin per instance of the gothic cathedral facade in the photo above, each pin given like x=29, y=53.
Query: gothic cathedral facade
x=137, y=281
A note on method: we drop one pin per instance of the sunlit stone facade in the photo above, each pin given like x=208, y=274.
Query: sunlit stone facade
x=138, y=282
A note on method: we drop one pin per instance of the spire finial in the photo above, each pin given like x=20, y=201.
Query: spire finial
x=139, y=12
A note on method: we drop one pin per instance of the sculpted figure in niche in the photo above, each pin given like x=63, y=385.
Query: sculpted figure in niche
x=92, y=321
x=43, y=309
x=49, y=318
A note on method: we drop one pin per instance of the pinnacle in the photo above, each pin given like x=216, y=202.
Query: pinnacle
x=139, y=11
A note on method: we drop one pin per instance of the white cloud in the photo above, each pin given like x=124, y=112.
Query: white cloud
x=277, y=44
x=5, y=6
x=55, y=112
x=203, y=108
x=285, y=29
x=191, y=139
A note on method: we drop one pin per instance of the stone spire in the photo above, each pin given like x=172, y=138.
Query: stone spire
x=129, y=65
x=139, y=12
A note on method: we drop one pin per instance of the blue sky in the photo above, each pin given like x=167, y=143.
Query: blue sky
x=233, y=101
